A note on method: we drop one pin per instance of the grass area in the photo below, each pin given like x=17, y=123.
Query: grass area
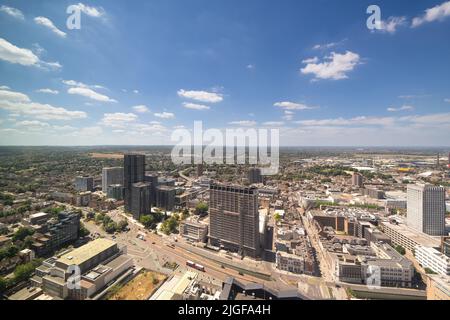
x=140, y=288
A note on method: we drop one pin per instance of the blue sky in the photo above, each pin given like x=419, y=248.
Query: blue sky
x=136, y=70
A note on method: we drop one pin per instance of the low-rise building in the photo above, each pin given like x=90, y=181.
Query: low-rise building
x=433, y=259
x=194, y=230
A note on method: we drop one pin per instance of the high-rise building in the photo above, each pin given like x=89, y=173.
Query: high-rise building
x=357, y=180
x=234, y=219
x=84, y=183
x=133, y=172
x=153, y=180
x=111, y=176
x=254, y=175
x=426, y=209
x=140, y=199
x=199, y=170
x=165, y=197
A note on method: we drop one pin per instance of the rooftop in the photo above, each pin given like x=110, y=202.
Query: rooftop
x=86, y=252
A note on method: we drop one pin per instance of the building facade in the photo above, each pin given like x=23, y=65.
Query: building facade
x=111, y=176
x=133, y=172
x=234, y=219
x=426, y=209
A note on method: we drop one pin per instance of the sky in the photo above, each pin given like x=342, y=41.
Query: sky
x=136, y=71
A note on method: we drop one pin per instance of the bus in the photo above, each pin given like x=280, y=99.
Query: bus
x=196, y=266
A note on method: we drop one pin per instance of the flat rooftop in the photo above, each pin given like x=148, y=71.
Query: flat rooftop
x=86, y=252
x=417, y=236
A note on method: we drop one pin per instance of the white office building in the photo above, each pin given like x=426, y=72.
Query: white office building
x=426, y=209
x=433, y=259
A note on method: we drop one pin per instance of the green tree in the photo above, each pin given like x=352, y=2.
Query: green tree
x=170, y=225
x=123, y=224
x=277, y=217
x=3, y=285
x=22, y=233
x=110, y=227
x=148, y=221
x=83, y=231
x=201, y=208
x=400, y=250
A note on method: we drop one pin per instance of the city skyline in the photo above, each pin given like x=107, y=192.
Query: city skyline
x=134, y=73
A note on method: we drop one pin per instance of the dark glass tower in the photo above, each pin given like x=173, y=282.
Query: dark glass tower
x=133, y=172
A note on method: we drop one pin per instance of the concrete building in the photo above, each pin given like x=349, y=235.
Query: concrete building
x=294, y=263
x=153, y=180
x=234, y=219
x=53, y=234
x=165, y=197
x=426, y=209
x=433, y=259
x=133, y=172
x=83, y=199
x=407, y=237
x=194, y=230
x=357, y=180
x=84, y=183
x=438, y=287
x=99, y=262
x=111, y=176
x=445, y=246
x=254, y=175
x=140, y=199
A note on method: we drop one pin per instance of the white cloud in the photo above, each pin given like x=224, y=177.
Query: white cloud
x=46, y=90
x=164, y=115
x=273, y=123
x=91, y=11
x=13, y=12
x=328, y=45
x=288, y=115
x=447, y=100
x=203, y=96
x=41, y=111
x=25, y=57
x=33, y=125
x=250, y=66
x=335, y=67
x=4, y=88
x=437, y=13
x=194, y=106
x=287, y=105
x=402, y=108
x=118, y=120
x=362, y=120
x=91, y=94
x=244, y=123
x=13, y=96
x=430, y=119
x=136, y=91
x=73, y=83
x=392, y=23
x=311, y=60
x=141, y=109
x=43, y=21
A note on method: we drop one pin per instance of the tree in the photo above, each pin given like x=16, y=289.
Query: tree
x=185, y=214
x=201, y=208
x=148, y=221
x=24, y=272
x=277, y=217
x=429, y=271
x=400, y=250
x=110, y=227
x=123, y=224
x=22, y=233
x=83, y=231
x=170, y=225
x=3, y=285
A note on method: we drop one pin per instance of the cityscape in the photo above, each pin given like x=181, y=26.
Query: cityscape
x=181, y=178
